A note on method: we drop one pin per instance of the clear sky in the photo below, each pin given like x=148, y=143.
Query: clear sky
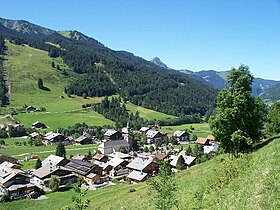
x=185, y=34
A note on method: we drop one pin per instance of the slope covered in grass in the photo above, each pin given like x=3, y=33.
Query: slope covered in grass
x=25, y=65
x=251, y=182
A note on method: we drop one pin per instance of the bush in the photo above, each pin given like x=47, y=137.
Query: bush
x=131, y=190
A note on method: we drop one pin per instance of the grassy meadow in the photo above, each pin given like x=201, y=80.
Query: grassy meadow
x=25, y=65
x=253, y=185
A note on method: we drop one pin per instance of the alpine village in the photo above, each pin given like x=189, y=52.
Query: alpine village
x=86, y=127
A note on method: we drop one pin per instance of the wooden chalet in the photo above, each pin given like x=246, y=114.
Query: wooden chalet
x=39, y=125
x=181, y=135
x=8, y=158
x=83, y=140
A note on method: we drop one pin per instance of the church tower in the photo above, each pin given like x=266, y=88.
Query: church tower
x=126, y=134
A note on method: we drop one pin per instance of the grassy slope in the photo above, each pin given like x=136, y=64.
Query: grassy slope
x=25, y=65
x=147, y=113
x=256, y=187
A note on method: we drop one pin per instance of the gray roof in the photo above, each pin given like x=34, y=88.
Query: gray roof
x=51, y=136
x=174, y=159
x=53, y=160
x=144, y=129
x=115, y=162
x=91, y=175
x=47, y=170
x=115, y=144
x=110, y=132
x=136, y=175
x=151, y=133
x=179, y=133
x=139, y=164
x=81, y=138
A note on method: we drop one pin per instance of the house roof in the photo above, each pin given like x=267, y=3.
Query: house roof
x=174, y=159
x=110, y=132
x=119, y=155
x=20, y=186
x=91, y=175
x=115, y=162
x=212, y=148
x=80, y=167
x=202, y=140
x=114, y=144
x=46, y=170
x=179, y=133
x=5, y=155
x=53, y=160
x=52, y=135
x=98, y=156
x=78, y=157
x=144, y=129
x=81, y=138
x=7, y=174
x=37, y=122
x=160, y=156
x=34, y=134
x=151, y=133
x=211, y=137
x=6, y=164
x=137, y=175
x=139, y=163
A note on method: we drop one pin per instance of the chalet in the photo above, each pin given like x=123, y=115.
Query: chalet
x=112, y=135
x=160, y=156
x=35, y=135
x=30, y=109
x=16, y=182
x=211, y=148
x=101, y=158
x=39, y=125
x=211, y=138
x=181, y=135
x=137, y=176
x=83, y=140
x=143, y=165
x=189, y=160
x=144, y=129
x=116, y=167
x=155, y=136
x=203, y=141
x=83, y=168
x=55, y=161
x=113, y=146
x=120, y=155
x=42, y=176
x=54, y=138
x=10, y=165
x=8, y=158
x=89, y=132
x=79, y=157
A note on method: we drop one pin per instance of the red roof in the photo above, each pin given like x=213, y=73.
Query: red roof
x=98, y=156
x=211, y=138
x=202, y=140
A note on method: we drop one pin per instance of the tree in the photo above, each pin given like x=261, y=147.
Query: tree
x=189, y=150
x=40, y=84
x=53, y=65
x=180, y=165
x=54, y=183
x=60, y=150
x=273, y=126
x=38, y=164
x=122, y=149
x=238, y=112
x=164, y=187
x=84, y=95
x=151, y=148
x=146, y=149
x=89, y=155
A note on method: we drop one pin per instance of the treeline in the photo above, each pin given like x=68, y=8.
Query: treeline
x=4, y=100
x=105, y=72
x=184, y=119
x=79, y=128
x=117, y=112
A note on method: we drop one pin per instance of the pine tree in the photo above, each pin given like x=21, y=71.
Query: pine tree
x=40, y=83
x=180, y=165
x=38, y=164
x=60, y=150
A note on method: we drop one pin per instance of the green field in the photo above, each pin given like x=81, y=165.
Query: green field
x=199, y=129
x=25, y=65
x=256, y=186
x=147, y=113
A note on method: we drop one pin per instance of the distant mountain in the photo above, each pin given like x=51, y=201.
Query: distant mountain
x=271, y=94
x=101, y=71
x=158, y=62
x=217, y=79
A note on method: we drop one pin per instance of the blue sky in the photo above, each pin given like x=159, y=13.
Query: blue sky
x=185, y=34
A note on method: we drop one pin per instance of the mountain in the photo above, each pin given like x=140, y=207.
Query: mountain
x=158, y=62
x=217, y=79
x=272, y=93
x=100, y=71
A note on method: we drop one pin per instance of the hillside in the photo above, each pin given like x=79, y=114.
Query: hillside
x=253, y=184
x=27, y=65
x=102, y=71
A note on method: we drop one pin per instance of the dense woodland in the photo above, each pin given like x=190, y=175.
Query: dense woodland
x=103, y=72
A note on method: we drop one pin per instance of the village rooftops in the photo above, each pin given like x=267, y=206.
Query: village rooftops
x=46, y=170
x=51, y=136
x=202, y=141
x=120, y=155
x=151, y=133
x=80, y=167
x=179, y=133
x=110, y=132
x=188, y=160
x=139, y=164
x=144, y=129
x=115, y=162
x=98, y=156
x=52, y=160
x=6, y=164
x=137, y=175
